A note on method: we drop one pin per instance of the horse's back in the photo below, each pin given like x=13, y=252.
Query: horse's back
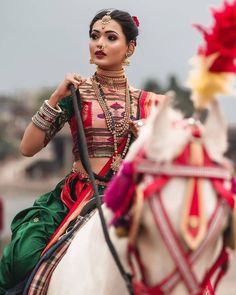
x=87, y=268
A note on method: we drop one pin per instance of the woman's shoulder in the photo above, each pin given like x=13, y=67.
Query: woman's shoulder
x=147, y=95
x=148, y=99
x=154, y=97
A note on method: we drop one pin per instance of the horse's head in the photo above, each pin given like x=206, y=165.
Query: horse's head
x=171, y=193
x=166, y=133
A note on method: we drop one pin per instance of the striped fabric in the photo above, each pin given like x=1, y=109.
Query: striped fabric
x=39, y=281
x=99, y=139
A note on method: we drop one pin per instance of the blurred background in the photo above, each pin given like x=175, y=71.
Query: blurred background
x=43, y=40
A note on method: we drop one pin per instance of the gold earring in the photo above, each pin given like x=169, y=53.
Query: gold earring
x=126, y=62
x=91, y=61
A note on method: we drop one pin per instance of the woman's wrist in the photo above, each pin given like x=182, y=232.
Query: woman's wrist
x=54, y=99
x=46, y=116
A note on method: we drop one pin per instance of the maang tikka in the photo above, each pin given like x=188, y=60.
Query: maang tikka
x=106, y=19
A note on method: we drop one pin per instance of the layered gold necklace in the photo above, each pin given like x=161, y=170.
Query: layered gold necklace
x=116, y=80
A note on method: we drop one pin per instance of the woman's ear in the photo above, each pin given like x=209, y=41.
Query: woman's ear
x=131, y=48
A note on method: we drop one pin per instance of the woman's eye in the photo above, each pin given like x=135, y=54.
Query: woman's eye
x=112, y=38
x=94, y=36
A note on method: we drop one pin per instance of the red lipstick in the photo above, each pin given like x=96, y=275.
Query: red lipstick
x=100, y=53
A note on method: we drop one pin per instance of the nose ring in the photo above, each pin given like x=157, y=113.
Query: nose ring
x=102, y=47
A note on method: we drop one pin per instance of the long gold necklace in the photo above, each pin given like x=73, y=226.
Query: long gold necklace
x=117, y=129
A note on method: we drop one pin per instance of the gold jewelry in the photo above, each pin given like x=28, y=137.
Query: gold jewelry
x=91, y=61
x=101, y=47
x=126, y=62
x=119, y=128
x=111, y=74
x=112, y=79
x=106, y=19
x=84, y=175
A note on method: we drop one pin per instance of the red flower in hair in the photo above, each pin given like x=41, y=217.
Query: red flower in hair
x=135, y=19
x=221, y=39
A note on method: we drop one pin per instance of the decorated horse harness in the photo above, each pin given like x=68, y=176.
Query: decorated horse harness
x=197, y=233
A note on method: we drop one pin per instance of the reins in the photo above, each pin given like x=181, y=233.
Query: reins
x=87, y=166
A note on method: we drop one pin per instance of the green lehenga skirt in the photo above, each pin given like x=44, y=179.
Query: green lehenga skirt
x=32, y=228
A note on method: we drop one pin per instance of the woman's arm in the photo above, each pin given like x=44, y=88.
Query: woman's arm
x=32, y=141
x=34, y=137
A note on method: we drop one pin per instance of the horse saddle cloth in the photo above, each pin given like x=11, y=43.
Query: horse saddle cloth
x=38, y=281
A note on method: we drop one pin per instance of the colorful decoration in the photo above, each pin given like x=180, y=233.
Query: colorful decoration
x=135, y=19
x=215, y=62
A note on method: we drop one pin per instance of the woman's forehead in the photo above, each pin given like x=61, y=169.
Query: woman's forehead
x=111, y=26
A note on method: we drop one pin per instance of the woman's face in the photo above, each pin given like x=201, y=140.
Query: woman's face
x=108, y=45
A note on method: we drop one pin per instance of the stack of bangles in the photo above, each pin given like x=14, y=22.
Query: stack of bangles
x=46, y=116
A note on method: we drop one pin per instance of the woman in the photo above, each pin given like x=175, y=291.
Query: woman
x=109, y=105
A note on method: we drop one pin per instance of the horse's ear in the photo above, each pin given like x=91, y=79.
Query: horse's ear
x=147, y=130
x=166, y=140
x=215, y=133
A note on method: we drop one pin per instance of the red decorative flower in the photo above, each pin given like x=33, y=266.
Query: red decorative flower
x=135, y=19
x=221, y=39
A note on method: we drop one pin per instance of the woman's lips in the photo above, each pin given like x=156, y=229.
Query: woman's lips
x=100, y=54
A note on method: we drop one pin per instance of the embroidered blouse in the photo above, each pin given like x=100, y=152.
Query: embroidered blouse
x=99, y=139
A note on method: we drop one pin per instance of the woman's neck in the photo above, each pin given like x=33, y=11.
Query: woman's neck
x=111, y=79
x=111, y=73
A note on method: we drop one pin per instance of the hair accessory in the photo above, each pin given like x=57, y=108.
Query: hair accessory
x=106, y=18
x=214, y=63
x=135, y=19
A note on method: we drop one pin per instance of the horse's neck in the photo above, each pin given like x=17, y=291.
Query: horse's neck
x=157, y=260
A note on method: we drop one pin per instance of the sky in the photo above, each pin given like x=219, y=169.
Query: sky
x=43, y=40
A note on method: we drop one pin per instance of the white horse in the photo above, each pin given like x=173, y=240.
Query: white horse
x=179, y=169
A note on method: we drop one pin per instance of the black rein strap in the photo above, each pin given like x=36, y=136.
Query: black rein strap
x=87, y=166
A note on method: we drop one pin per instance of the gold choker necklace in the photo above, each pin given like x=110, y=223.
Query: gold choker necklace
x=111, y=79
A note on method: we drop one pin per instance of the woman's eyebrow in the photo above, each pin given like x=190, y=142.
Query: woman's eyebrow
x=106, y=32
x=110, y=31
x=96, y=31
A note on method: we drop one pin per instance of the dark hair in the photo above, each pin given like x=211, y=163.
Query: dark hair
x=125, y=20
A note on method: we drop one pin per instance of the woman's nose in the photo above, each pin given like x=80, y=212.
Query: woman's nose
x=101, y=44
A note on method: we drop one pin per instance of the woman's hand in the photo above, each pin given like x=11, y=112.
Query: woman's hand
x=136, y=125
x=63, y=90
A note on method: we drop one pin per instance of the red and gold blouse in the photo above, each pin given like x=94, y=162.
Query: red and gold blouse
x=99, y=139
